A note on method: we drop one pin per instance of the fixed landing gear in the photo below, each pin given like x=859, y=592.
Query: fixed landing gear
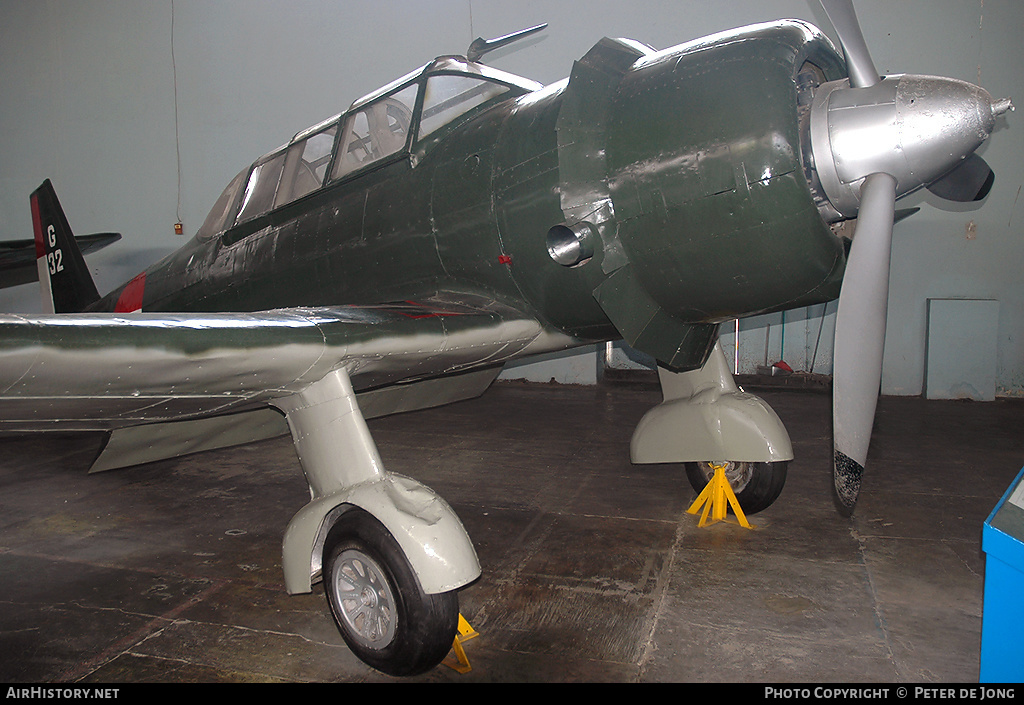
x=391, y=553
x=382, y=614
x=704, y=415
x=756, y=485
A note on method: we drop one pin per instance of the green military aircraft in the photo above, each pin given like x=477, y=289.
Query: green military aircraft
x=395, y=256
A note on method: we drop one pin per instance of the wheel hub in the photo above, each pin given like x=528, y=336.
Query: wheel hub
x=365, y=600
x=738, y=474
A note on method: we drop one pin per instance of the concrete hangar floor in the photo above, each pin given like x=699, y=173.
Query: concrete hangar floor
x=592, y=569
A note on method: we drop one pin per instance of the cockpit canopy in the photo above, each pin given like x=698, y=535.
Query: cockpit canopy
x=407, y=116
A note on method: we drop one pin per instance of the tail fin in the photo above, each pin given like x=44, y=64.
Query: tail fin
x=66, y=283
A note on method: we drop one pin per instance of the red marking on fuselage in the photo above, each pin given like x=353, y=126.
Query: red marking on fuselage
x=37, y=228
x=131, y=297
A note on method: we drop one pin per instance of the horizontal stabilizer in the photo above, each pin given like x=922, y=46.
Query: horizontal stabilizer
x=18, y=257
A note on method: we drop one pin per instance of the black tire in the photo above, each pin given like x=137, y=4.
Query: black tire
x=377, y=604
x=757, y=485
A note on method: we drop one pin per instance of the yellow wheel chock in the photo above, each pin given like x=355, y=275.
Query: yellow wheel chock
x=460, y=662
x=716, y=497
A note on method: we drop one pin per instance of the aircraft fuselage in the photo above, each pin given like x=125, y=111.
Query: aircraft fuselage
x=680, y=175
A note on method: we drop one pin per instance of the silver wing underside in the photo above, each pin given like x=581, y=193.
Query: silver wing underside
x=108, y=371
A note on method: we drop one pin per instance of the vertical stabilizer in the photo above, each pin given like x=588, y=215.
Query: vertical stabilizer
x=66, y=283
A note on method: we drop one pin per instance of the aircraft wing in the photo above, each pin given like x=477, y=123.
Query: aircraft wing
x=18, y=257
x=108, y=371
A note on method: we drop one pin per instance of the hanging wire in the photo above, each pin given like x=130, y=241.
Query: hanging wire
x=177, y=138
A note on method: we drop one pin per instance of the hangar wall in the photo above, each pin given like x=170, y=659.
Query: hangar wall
x=141, y=112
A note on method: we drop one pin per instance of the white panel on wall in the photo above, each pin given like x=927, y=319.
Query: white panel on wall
x=961, y=356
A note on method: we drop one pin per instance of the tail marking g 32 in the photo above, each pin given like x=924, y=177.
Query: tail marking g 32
x=62, y=269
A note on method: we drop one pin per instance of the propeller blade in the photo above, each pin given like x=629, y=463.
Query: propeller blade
x=860, y=337
x=858, y=59
x=970, y=181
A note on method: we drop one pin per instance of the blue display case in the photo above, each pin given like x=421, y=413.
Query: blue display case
x=1002, y=624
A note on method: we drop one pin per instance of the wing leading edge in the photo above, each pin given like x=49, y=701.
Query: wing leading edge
x=108, y=371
